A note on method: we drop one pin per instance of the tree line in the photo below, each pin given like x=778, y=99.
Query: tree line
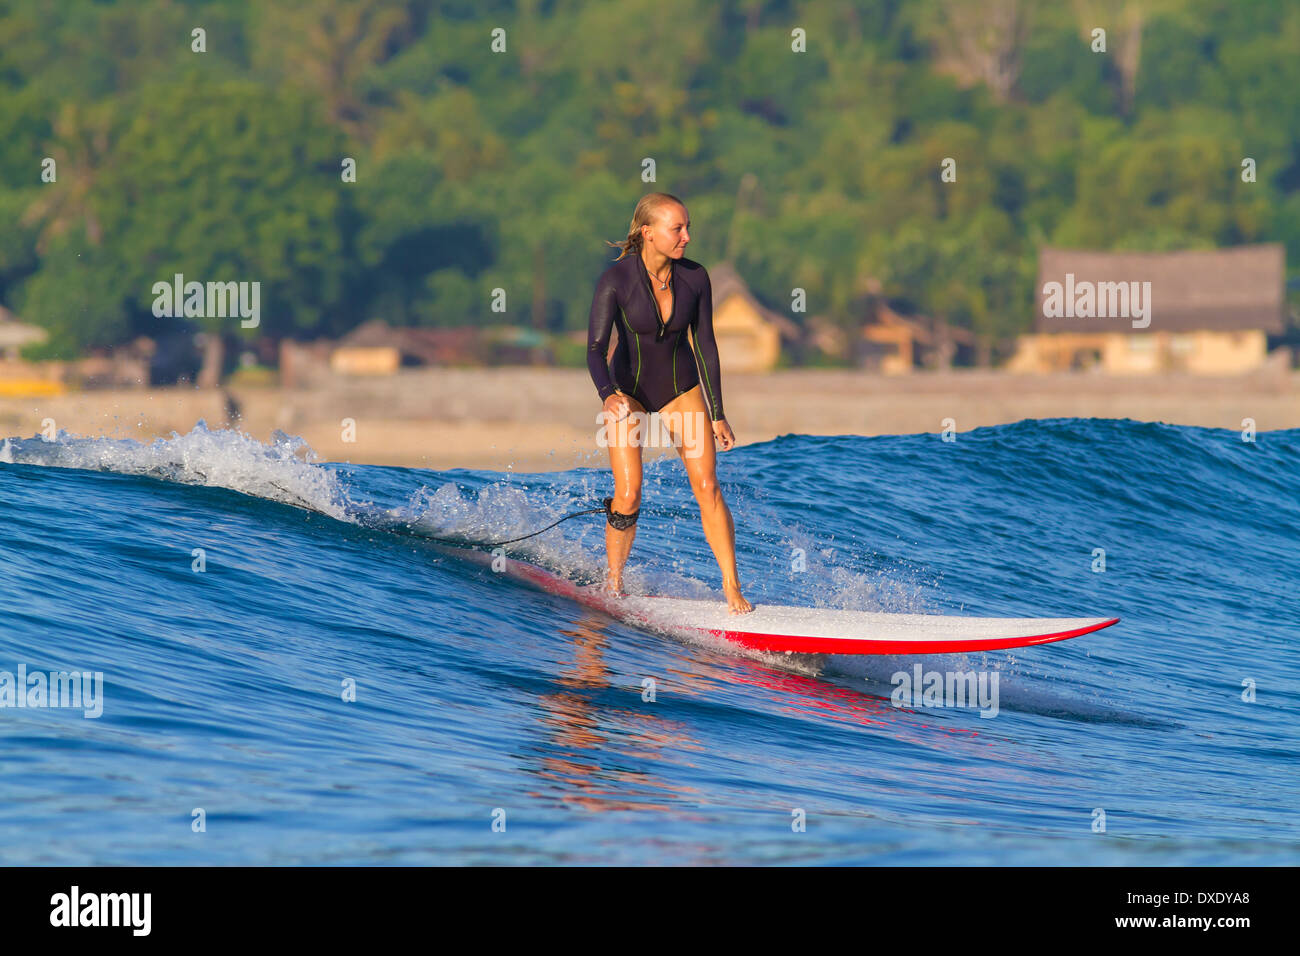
x=404, y=160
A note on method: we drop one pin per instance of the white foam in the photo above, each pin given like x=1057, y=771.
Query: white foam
x=219, y=459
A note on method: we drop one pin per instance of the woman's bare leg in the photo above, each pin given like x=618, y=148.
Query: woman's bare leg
x=688, y=421
x=624, y=440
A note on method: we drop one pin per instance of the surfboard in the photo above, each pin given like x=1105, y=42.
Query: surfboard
x=784, y=628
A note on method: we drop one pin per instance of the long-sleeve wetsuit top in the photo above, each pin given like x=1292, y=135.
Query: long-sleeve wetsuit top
x=654, y=361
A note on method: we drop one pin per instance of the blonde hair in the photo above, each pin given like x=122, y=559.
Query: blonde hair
x=642, y=216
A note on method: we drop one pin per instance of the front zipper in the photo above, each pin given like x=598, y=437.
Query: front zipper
x=654, y=302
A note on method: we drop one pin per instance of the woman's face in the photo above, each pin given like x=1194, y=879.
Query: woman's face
x=668, y=233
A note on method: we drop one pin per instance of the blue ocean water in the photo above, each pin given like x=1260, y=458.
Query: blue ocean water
x=231, y=592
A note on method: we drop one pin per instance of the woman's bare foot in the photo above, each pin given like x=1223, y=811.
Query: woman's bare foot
x=614, y=584
x=736, y=602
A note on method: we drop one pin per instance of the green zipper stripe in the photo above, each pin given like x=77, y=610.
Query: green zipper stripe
x=704, y=372
x=675, y=344
x=637, y=380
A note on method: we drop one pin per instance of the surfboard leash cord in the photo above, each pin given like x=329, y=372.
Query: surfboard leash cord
x=603, y=509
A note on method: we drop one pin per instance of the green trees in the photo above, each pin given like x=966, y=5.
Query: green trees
x=219, y=181
x=483, y=167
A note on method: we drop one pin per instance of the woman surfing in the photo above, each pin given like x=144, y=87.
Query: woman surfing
x=666, y=361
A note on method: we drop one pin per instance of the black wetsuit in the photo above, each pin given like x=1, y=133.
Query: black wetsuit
x=654, y=361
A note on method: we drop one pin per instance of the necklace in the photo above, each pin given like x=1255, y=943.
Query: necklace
x=663, y=283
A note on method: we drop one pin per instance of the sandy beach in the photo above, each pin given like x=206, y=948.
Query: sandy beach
x=541, y=419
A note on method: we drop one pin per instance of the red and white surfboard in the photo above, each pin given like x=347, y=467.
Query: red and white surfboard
x=811, y=630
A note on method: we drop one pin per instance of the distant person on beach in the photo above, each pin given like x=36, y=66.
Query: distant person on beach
x=665, y=365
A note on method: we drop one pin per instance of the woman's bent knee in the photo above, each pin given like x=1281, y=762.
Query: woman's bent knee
x=709, y=495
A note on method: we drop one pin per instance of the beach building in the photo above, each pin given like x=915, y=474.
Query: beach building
x=1204, y=312
x=21, y=379
x=14, y=334
x=894, y=344
x=751, y=337
x=377, y=348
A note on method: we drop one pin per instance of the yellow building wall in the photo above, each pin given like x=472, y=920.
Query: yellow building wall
x=746, y=341
x=1056, y=352
x=1025, y=360
x=1121, y=353
x=31, y=379
x=1223, y=353
x=902, y=361
x=356, y=360
x=1137, y=354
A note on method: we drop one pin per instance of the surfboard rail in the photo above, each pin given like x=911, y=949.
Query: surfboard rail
x=797, y=644
x=782, y=628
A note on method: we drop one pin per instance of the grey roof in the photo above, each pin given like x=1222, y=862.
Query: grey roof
x=1241, y=287
x=14, y=333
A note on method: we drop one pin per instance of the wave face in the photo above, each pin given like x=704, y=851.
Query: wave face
x=236, y=596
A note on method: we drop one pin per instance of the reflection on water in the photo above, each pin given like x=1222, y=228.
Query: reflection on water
x=578, y=725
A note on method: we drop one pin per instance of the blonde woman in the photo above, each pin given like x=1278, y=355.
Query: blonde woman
x=666, y=362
